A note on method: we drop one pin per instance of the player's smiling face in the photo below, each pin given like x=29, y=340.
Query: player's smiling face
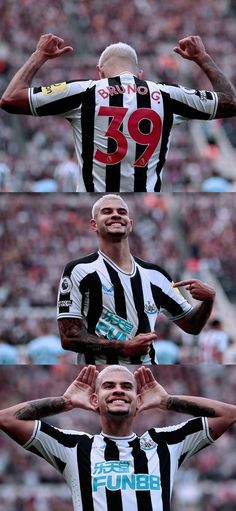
x=117, y=395
x=112, y=219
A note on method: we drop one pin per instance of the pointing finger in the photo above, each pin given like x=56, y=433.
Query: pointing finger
x=183, y=283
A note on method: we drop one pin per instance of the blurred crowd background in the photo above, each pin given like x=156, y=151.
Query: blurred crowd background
x=37, y=154
x=206, y=481
x=189, y=235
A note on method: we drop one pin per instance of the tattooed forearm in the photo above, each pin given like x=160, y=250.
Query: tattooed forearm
x=219, y=81
x=184, y=406
x=41, y=408
x=222, y=85
x=75, y=337
x=198, y=317
x=226, y=105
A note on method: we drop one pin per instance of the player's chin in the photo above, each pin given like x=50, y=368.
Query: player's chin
x=119, y=410
x=117, y=233
x=119, y=413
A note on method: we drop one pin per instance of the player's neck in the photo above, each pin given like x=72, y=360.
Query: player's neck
x=119, y=253
x=117, y=426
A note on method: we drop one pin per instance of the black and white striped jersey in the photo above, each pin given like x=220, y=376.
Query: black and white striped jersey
x=122, y=474
x=117, y=305
x=121, y=127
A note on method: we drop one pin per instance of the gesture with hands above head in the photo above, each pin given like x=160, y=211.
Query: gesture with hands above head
x=52, y=46
x=82, y=388
x=191, y=48
x=152, y=394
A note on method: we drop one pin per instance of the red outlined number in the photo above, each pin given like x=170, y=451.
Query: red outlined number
x=149, y=140
x=118, y=115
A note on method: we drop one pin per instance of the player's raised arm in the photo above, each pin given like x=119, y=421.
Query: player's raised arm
x=18, y=421
x=196, y=319
x=15, y=97
x=75, y=337
x=152, y=395
x=192, y=48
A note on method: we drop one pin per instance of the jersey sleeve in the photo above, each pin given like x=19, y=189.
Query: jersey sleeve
x=70, y=298
x=198, y=437
x=62, y=99
x=173, y=305
x=52, y=444
x=188, y=437
x=190, y=103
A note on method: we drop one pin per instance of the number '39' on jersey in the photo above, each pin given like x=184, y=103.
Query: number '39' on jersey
x=121, y=127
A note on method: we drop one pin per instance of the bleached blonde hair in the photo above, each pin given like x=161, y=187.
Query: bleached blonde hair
x=119, y=51
x=98, y=203
x=112, y=368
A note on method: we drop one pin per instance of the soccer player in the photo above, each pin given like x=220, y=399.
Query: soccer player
x=121, y=123
x=108, y=301
x=116, y=469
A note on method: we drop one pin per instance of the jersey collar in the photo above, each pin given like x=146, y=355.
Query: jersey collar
x=128, y=438
x=133, y=269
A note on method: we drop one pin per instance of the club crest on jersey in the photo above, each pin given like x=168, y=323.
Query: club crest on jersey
x=66, y=286
x=150, y=308
x=146, y=445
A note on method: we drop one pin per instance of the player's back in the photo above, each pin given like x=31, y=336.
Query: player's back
x=127, y=133
x=121, y=127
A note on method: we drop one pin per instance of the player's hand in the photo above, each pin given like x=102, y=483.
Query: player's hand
x=139, y=345
x=191, y=48
x=80, y=391
x=52, y=46
x=152, y=394
x=198, y=289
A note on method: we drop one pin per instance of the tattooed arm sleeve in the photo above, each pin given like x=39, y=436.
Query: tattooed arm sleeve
x=18, y=421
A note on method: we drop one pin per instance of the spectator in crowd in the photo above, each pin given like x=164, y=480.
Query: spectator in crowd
x=213, y=342
x=66, y=173
x=46, y=348
x=8, y=353
x=230, y=352
x=167, y=351
x=216, y=183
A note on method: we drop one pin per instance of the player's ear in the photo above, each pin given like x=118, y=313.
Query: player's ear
x=131, y=225
x=100, y=71
x=140, y=74
x=139, y=402
x=94, y=401
x=93, y=224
